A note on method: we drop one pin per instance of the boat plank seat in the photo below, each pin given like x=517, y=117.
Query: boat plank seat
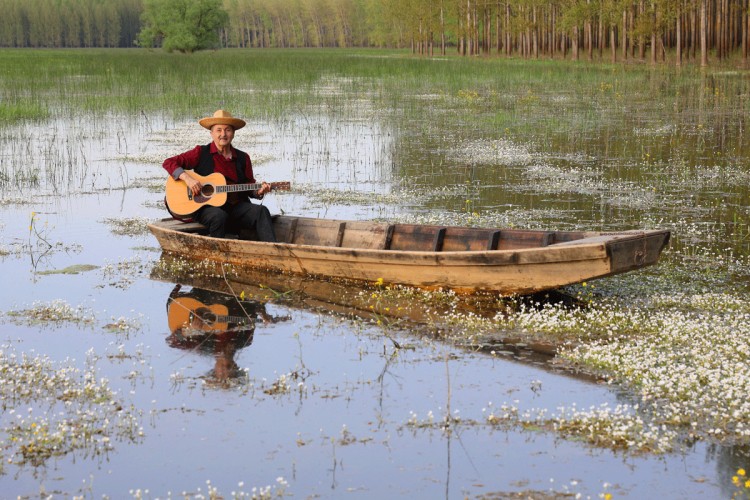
x=185, y=227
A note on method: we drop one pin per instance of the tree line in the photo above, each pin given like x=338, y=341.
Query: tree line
x=615, y=30
x=69, y=23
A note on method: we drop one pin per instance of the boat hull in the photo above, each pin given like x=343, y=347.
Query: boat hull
x=571, y=258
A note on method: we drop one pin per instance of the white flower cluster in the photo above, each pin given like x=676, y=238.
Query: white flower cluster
x=689, y=365
x=89, y=417
x=54, y=313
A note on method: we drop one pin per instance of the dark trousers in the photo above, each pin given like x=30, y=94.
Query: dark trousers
x=241, y=215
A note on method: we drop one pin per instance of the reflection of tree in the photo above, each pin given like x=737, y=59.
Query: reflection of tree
x=214, y=324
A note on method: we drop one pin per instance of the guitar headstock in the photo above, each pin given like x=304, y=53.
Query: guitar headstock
x=281, y=186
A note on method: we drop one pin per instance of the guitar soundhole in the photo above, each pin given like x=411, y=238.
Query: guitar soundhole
x=207, y=190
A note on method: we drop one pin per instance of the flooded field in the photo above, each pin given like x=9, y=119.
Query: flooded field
x=315, y=389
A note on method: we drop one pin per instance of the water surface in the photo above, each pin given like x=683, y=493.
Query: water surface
x=310, y=399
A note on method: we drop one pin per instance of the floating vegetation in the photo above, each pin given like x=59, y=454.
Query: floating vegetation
x=326, y=196
x=124, y=272
x=16, y=201
x=131, y=226
x=151, y=184
x=493, y=152
x=123, y=324
x=268, y=492
x=178, y=265
x=688, y=365
x=74, y=269
x=279, y=386
x=55, y=313
x=84, y=413
x=620, y=429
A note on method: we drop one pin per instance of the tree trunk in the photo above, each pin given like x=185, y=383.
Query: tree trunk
x=624, y=38
x=641, y=37
x=678, y=42
x=535, y=34
x=498, y=32
x=469, y=34
x=693, y=33
x=442, y=31
x=719, y=40
x=745, y=29
x=704, y=35
x=588, y=36
x=653, y=36
x=508, y=34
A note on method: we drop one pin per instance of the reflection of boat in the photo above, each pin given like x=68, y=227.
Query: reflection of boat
x=459, y=258
x=393, y=307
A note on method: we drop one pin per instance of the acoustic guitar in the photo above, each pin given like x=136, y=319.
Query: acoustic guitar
x=181, y=201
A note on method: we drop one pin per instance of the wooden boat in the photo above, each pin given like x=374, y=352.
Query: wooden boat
x=464, y=259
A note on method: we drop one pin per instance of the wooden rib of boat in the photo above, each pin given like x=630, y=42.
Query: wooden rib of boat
x=465, y=259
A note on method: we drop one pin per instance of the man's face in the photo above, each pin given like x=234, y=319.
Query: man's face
x=222, y=135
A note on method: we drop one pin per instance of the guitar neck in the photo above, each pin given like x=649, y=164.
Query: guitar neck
x=234, y=188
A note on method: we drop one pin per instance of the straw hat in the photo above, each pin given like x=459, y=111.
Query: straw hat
x=222, y=117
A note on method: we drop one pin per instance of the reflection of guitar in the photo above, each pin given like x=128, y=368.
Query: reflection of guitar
x=181, y=201
x=184, y=311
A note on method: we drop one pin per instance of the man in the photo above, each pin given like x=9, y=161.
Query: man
x=235, y=165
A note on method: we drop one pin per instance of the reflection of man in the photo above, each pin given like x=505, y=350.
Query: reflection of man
x=215, y=324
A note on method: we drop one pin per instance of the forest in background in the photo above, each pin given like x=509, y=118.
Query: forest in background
x=612, y=30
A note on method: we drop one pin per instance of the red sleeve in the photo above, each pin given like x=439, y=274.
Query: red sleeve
x=185, y=161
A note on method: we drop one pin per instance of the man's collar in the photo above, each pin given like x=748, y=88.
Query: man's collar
x=213, y=149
